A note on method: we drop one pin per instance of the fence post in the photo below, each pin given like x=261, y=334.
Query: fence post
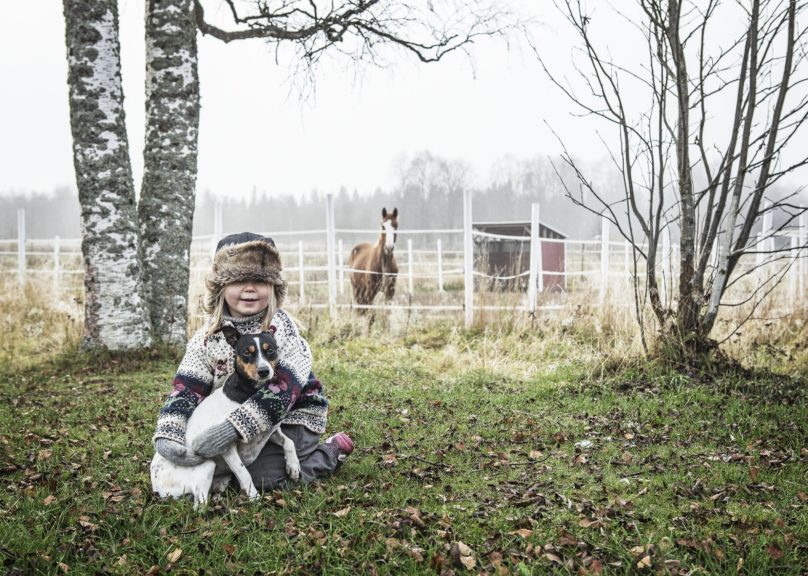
x=604, y=259
x=468, y=260
x=534, y=277
x=440, y=267
x=217, y=227
x=332, y=276
x=56, y=266
x=768, y=216
x=301, y=273
x=666, y=263
x=409, y=265
x=792, y=274
x=626, y=265
x=764, y=240
x=341, y=267
x=803, y=254
x=21, y=245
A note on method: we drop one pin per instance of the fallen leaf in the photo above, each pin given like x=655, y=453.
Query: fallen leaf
x=436, y=563
x=175, y=555
x=462, y=556
x=48, y=501
x=343, y=512
x=84, y=522
x=63, y=567
x=637, y=550
x=552, y=558
x=229, y=549
x=523, y=532
x=416, y=553
x=566, y=538
x=774, y=551
x=645, y=562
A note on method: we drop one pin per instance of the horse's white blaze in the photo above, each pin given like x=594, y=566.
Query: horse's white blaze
x=389, y=239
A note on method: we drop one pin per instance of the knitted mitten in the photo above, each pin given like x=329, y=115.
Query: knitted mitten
x=215, y=440
x=176, y=452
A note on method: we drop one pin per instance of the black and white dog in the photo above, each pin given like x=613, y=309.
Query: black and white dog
x=255, y=360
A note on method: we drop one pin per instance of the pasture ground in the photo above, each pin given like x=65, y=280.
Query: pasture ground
x=495, y=451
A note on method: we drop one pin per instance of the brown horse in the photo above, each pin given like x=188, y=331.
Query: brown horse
x=376, y=263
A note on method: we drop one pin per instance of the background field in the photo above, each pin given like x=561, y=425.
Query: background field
x=532, y=446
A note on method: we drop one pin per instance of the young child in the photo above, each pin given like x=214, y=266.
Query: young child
x=245, y=290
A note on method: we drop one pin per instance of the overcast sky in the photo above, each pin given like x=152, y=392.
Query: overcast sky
x=256, y=132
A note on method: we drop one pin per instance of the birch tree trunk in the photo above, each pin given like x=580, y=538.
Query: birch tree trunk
x=166, y=207
x=115, y=312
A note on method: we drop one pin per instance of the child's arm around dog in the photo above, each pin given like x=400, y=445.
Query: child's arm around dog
x=206, y=365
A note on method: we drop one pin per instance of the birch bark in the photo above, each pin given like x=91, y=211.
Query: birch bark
x=166, y=206
x=115, y=311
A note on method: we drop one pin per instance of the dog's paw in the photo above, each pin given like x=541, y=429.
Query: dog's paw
x=252, y=493
x=293, y=471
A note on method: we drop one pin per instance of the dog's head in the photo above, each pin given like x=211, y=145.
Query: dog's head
x=256, y=354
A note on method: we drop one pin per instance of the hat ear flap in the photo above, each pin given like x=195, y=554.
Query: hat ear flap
x=280, y=288
x=231, y=335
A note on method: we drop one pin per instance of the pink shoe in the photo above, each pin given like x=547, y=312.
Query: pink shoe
x=341, y=443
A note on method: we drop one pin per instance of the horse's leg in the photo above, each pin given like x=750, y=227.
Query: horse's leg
x=358, y=289
x=390, y=287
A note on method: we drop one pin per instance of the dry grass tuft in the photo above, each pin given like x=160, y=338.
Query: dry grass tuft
x=36, y=326
x=582, y=333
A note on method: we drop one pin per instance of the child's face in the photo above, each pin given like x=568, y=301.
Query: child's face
x=246, y=298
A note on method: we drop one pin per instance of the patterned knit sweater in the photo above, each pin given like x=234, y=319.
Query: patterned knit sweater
x=294, y=395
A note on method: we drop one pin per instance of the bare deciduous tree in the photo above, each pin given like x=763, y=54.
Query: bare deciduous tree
x=115, y=314
x=706, y=124
x=166, y=206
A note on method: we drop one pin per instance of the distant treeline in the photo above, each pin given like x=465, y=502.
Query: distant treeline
x=428, y=194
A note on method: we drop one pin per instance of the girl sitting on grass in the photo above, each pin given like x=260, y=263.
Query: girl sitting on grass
x=245, y=290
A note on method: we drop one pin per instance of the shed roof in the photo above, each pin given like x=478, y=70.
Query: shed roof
x=513, y=228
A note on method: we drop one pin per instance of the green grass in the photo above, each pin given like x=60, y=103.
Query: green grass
x=471, y=437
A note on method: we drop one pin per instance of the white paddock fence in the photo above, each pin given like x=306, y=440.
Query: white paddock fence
x=431, y=277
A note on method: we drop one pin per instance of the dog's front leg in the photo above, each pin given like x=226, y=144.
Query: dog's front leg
x=235, y=464
x=289, y=453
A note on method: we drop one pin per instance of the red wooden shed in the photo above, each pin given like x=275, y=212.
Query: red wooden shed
x=504, y=257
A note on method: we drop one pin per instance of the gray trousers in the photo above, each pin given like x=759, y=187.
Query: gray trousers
x=316, y=460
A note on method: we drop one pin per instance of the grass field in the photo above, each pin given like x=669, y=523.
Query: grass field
x=491, y=451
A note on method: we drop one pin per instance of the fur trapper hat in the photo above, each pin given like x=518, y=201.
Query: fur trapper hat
x=241, y=257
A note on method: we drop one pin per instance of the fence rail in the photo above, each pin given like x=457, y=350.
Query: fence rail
x=316, y=258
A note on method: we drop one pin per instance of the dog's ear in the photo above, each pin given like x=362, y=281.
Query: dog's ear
x=269, y=345
x=231, y=335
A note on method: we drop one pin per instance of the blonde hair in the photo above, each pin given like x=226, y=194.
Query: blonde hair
x=217, y=311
